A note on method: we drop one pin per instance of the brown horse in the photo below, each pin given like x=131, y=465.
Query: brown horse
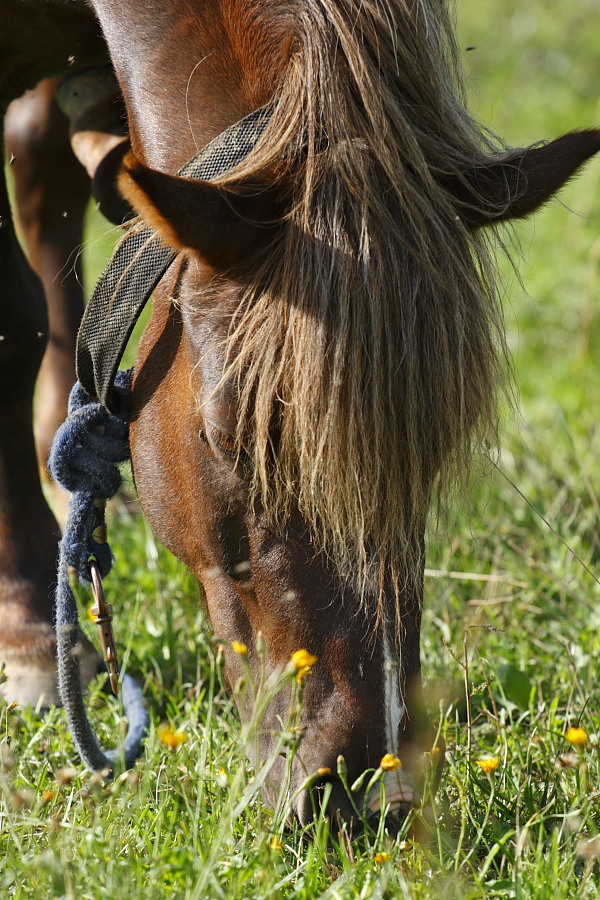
x=39, y=39
x=323, y=355
x=52, y=190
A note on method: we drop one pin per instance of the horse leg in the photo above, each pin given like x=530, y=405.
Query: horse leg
x=51, y=192
x=28, y=530
x=416, y=733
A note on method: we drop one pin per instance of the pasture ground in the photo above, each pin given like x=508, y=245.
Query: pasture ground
x=511, y=640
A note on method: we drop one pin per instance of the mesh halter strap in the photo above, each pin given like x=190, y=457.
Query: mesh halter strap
x=139, y=262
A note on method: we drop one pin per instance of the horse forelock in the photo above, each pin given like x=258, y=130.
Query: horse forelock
x=367, y=344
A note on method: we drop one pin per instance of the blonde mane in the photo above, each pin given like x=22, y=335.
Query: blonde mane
x=367, y=347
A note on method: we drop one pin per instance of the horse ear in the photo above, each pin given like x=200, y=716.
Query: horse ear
x=514, y=185
x=223, y=225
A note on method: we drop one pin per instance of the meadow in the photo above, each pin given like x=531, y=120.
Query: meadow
x=511, y=641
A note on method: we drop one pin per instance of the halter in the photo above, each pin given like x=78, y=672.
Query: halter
x=140, y=261
x=95, y=439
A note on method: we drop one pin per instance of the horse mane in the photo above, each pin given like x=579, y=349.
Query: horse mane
x=367, y=344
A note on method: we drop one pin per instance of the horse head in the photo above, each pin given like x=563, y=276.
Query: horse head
x=323, y=354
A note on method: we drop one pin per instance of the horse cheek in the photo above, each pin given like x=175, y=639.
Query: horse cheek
x=158, y=427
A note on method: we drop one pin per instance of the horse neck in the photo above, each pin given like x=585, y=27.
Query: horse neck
x=190, y=71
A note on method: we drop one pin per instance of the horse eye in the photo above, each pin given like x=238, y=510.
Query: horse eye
x=223, y=443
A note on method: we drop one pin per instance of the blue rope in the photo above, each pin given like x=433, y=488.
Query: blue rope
x=85, y=455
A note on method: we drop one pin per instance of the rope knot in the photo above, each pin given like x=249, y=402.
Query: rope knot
x=85, y=455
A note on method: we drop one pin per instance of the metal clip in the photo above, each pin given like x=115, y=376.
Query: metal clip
x=102, y=613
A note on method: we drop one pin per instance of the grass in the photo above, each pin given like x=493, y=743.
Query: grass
x=511, y=630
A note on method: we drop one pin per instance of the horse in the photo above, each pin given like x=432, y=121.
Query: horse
x=41, y=42
x=325, y=352
x=52, y=190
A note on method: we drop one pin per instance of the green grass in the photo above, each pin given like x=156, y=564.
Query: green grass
x=510, y=642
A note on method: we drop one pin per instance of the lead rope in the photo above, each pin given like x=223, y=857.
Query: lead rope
x=85, y=455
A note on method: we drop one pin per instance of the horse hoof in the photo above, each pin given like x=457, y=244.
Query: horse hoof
x=30, y=678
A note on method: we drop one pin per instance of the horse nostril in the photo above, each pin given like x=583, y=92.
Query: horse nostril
x=339, y=806
x=343, y=811
x=394, y=820
x=307, y=805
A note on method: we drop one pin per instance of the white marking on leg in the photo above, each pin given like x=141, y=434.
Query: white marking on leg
x=398, y=787
x=394, y=702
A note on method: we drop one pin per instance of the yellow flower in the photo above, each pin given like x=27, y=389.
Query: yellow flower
x=577, y=736
x=239, y=648
x=170, y=737
x=390, y=763
x=93, y=618
x=276, y=844
x=383, y=856
x=302, y=662
x=47, y=796
x=302, y=659
x=489, y=764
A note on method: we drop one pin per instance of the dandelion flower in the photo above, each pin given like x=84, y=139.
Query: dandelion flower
x=170, y=737
x=489, y=764
x=239, y=648
x=390, y=763
x=302, y=663
x=382, y=857
x=276, y=843
x=577, y=736
x=302, y=658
